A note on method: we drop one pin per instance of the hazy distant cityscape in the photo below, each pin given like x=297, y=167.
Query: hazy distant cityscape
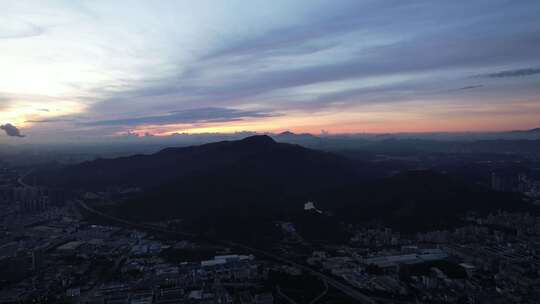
x=269, y=152
x=66, y=244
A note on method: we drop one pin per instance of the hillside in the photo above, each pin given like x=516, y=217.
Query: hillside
x=232, y=187
x=259, y=156
x=417, y=200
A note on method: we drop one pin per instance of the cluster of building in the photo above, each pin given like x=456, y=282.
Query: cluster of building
x=491, y=259
x=515, y=180
x=50, y=254
x=54, y=256
x=30, y=199
x=224, y=279
x=68, y=260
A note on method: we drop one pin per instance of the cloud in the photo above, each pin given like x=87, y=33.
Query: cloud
x=244, y=70
x=514, y=73
x=312, y=35
x=11, y=130
x=51, y=120
x=15, y=29
x=471, y=87
x=200, y=115
x=286, y=57
x=5, y=102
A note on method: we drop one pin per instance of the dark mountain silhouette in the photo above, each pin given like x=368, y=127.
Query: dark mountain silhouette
x=398, y=146
x=534, y=130
x=505, y=146
x=418, y=200
x=304, y=139
x=233, y=187
x=236, y=205
x=254, y=157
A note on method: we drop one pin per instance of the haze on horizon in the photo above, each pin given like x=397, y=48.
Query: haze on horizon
x=74, y=70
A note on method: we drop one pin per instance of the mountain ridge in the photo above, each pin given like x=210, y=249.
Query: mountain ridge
x=168, y=164
x=259, y=180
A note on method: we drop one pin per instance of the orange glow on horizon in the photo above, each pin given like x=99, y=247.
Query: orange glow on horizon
x=375, y=122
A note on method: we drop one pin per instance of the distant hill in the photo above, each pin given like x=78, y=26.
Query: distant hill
x=254, y=157
x=237, y=188
x=417, y=200
x=304, y=139
x=535, y=130
x=504, y=146
x=235, y=205
x=259, y=181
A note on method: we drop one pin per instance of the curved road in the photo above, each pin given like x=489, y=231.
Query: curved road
x=325, y=291
x=20, y=180
x=350, y=291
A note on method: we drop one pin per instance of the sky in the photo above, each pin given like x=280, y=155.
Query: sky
x=74, y=70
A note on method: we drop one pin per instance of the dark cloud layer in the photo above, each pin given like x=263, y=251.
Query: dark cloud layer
x=51, y=120
x=514, y=73
x=471, y=87
x=425, y=47
x=209, y=114
x=11, y=130
x=326, y=57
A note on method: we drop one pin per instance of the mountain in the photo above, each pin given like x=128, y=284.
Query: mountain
x=256, y=156
x=235, y=205
x=521, y=146
x=304, y=139
x=418, y=200
x=238, y=189
x=534, y=130
x=230, y=186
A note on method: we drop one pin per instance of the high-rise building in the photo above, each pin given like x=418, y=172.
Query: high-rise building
x=37, y=259
x=504, y=180
x=31, y=199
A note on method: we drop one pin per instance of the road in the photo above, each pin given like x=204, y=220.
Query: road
x=284, y=296
x=350, y=291
x=20, y=180
x=325, y=291
x=353, y=293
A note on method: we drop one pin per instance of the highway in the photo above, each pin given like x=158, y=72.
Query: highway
x=284, y=296
x=20, y=180
x=325, y=291
x=350, y=291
